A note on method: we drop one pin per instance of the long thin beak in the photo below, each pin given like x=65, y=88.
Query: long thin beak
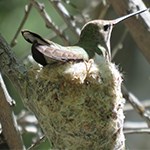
x=115, y=21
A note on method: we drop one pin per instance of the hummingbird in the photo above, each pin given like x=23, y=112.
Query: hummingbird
x=94, y=40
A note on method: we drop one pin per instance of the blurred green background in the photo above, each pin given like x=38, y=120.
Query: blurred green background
x=135, y=69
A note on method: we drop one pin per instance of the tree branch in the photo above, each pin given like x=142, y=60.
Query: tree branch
x=139, y=28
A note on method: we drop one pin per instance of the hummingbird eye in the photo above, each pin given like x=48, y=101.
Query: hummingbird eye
x=106, y=27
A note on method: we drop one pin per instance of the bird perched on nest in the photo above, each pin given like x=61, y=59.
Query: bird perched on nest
x=79, y=105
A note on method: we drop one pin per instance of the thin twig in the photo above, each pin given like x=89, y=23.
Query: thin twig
x=7, y=120
x=78, y=10
x=49, y=24
x=129, y=125
x=27, y=11
x=69, y=20
x=119, y=45
x=137, y=105
x=145, y=103
x=37, y=143
x=137, y=131
x=103, y=8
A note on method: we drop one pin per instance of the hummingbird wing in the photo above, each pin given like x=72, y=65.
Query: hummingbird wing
x=51, y=50
x=60, y=53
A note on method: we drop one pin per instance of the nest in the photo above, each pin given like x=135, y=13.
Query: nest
x=78, y=105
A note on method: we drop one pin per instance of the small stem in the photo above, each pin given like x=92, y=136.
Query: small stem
x=27, y=11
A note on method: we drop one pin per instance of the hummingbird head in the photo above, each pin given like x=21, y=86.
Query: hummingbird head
x=95, y=35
